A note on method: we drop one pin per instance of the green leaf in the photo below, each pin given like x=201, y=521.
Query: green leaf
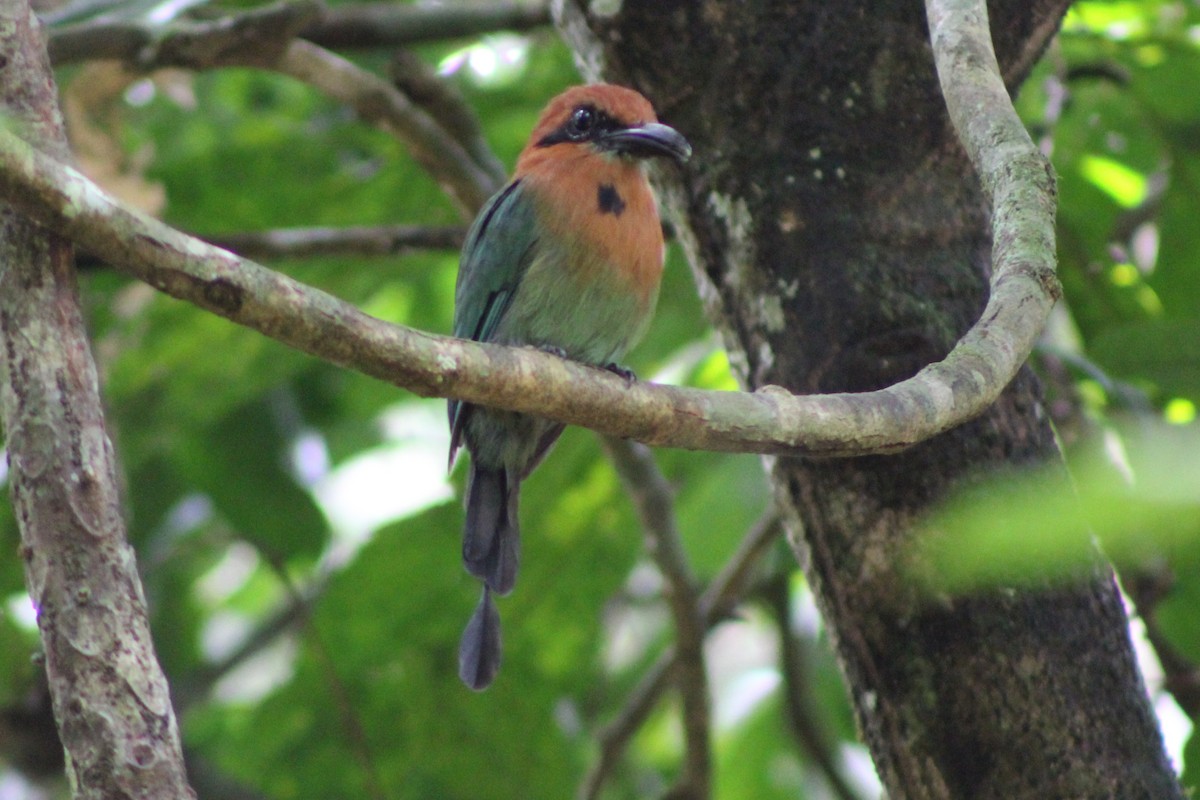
x=758, y=760
x=1021, y=528
x=376, y=678
x=241, y=463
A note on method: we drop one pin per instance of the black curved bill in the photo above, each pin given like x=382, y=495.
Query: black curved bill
x=648, y=141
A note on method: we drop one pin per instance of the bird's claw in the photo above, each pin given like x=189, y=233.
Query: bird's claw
x=623, y=372
x=552, y=350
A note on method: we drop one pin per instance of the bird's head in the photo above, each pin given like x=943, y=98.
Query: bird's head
x=609, y=120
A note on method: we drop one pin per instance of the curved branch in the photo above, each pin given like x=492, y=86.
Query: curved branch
x=1016, y=176
x=770, y=420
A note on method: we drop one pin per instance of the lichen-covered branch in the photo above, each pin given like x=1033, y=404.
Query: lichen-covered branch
x=110, y=697
x=770, y=420
x=1014, y=173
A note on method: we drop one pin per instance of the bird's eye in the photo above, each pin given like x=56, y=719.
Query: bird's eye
x=581, y=122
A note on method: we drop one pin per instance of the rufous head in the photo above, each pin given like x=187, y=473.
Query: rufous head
x=610, y=120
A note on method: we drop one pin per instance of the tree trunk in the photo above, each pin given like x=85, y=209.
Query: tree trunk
x=110, y=697
x=841, y=242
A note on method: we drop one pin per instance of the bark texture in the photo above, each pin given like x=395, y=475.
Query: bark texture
x=109, y=695
x=841, y=242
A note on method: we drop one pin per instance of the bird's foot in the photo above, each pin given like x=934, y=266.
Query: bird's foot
x=553, y=350
x=623, y=372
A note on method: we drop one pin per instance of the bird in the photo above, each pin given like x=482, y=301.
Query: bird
x=567, y=257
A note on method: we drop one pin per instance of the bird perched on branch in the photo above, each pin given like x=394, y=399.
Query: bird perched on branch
x=567, y=258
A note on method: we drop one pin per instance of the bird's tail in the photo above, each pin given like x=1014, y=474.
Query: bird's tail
x=491, y=536
x=479, y=651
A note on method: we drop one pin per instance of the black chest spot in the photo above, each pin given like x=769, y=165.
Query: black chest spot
x=608, y=199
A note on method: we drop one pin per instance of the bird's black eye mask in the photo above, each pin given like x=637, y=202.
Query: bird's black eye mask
x=586, y=124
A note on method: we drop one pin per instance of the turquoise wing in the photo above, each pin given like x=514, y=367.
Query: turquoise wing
x=495, y=257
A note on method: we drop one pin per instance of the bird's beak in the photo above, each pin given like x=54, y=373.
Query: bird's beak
x=647, y=141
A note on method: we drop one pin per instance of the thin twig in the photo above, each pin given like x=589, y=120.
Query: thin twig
x=733, y=583
x=654, y=501
x=615, y=735
x=1123, y=395
x=265, y=39
x=196, y=686
x=368, y=241
x=352, y=725
x=413, y=76
x=797, y=693
x=366, y=25
x=397, y=25
x=256, y=37
x=381, y=104
x=718, y=600
x=365, y=240
x=770, y=420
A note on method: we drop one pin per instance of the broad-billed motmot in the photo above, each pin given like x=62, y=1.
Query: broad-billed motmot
x=567, y=258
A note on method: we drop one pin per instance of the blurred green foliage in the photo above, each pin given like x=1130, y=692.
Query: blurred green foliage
x=228, y=442
x=1137, y=496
